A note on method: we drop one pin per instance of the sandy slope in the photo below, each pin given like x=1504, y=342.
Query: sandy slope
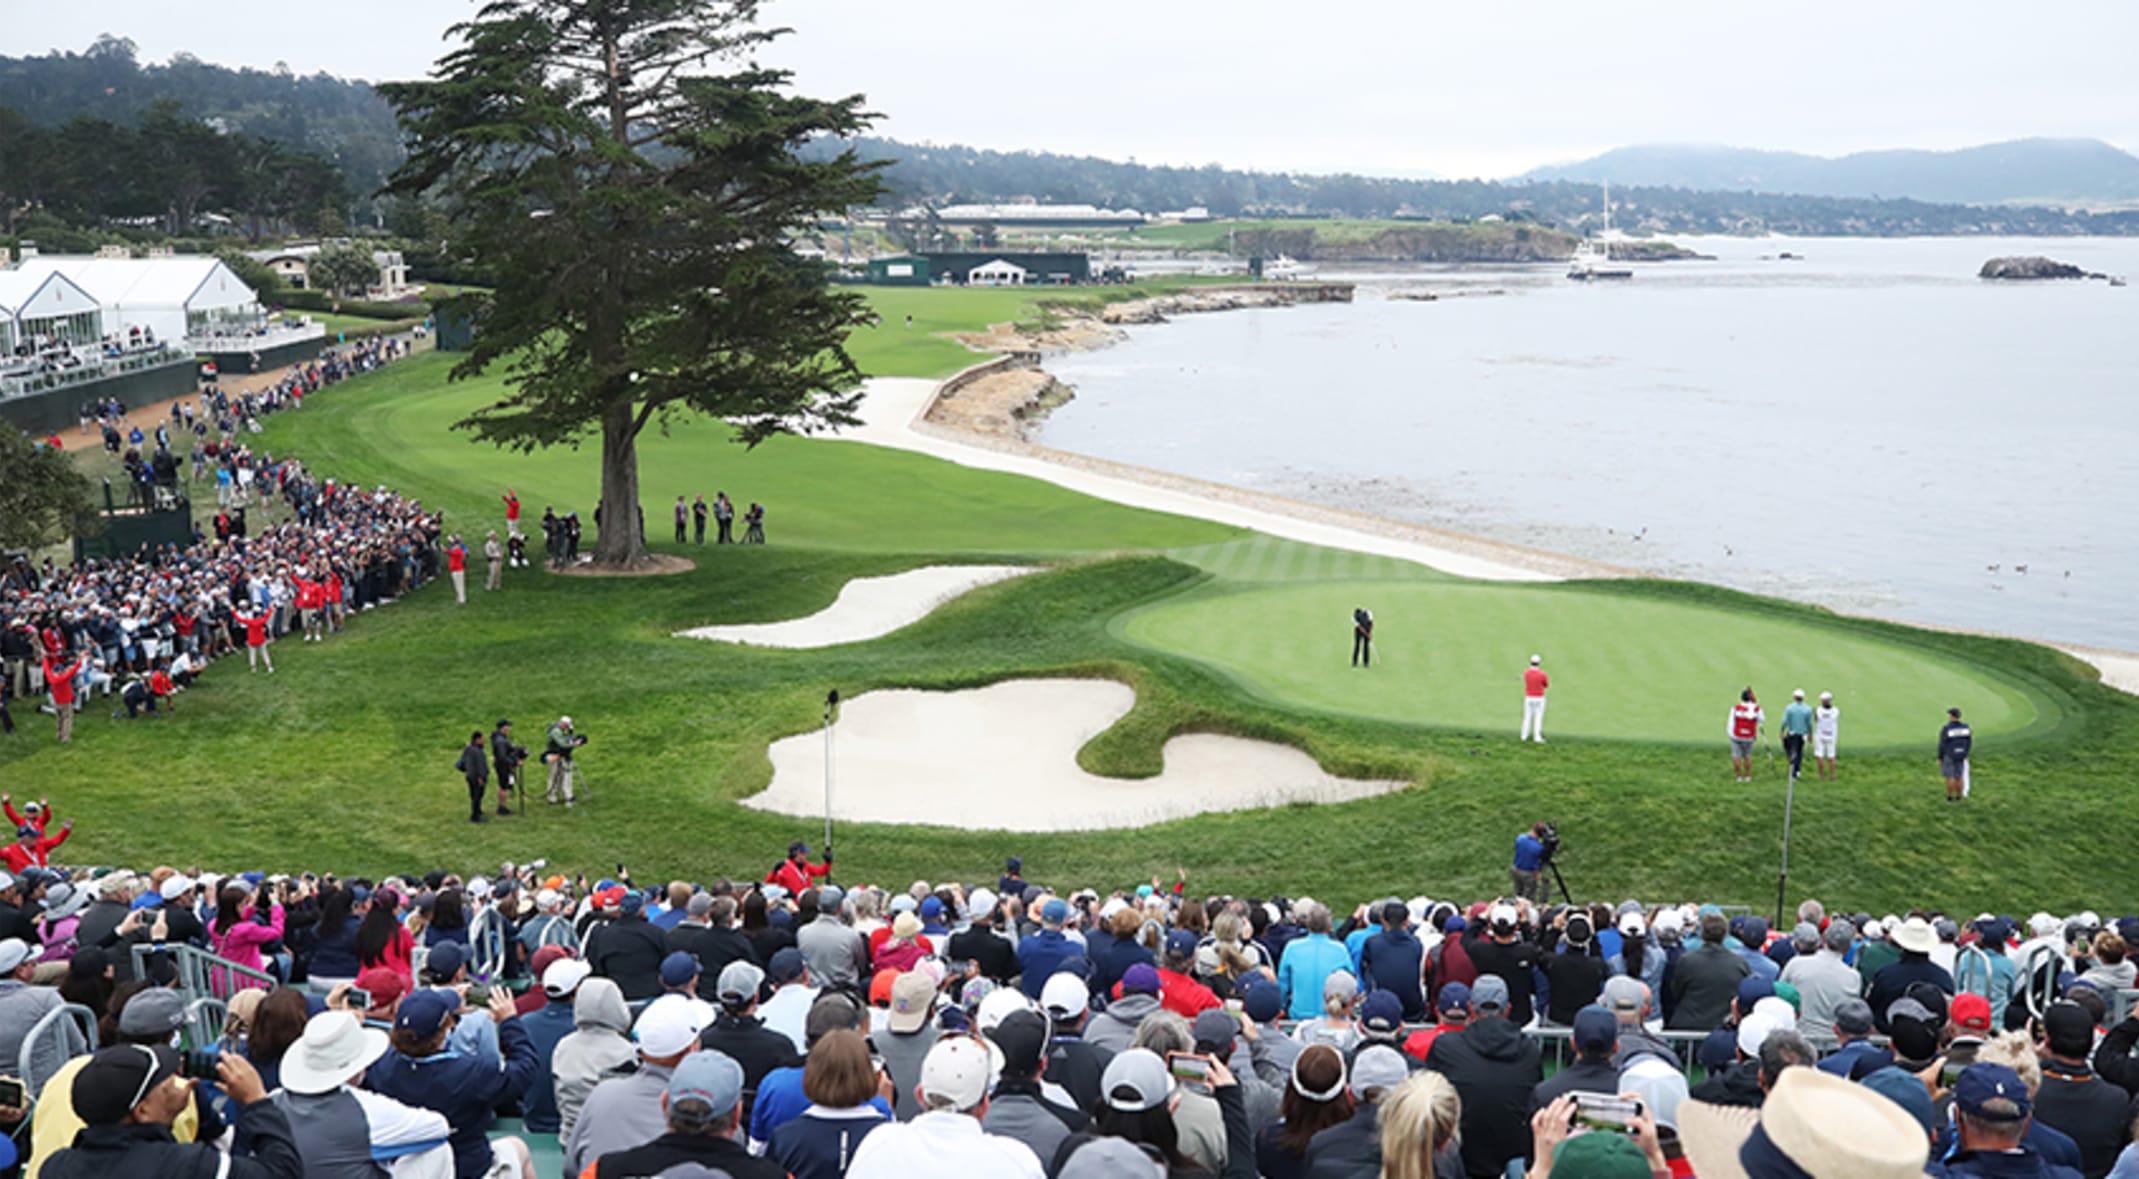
x=867, y=608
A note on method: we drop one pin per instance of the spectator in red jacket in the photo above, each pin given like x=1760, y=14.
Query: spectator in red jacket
x=457, y=565
x=795, y=872
x=33, y=850
x=60, y=671
x=255, y=625
x=33, y=814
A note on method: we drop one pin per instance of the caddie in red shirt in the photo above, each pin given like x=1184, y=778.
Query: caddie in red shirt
x=512, y=512
x=255, y=625
x=60, y=671
x=1745, y=722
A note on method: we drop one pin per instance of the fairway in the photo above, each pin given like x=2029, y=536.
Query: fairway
x=1451, y=654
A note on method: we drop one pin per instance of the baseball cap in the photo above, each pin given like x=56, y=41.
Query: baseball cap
x=1181, y=942
x=172, y=888
x=739, y=982
x=1214, y=1030
x=1056, y=911
x=1378, y=1066
x=1143, y=979
x=931, y=908
x=116, y=1080
x=1981, y=1084
x=1631, y=924
x=1022, y=1037
x=709, y=1076
x=1381, y=1015
x=154, y=1012
x=1903, y=1089
x=2063, y=1021
x=1595, y=1031
x=446, y=960
x=14, y=952
x=1600, y=1156
x=677, y=969
x=829, y=898
x=632, y=903
x=1065, y=996
x=1502, y=917
x=424, y=1012
x=913, y=996
x=1621, y=993
x=700, y=904
x=1110, y=1158
x=1489, y=994
x=1752, y=989
x=786, y=965
x=670, y=1024
x=1263, y=1002
x=1455, y=998
x=1754, y=1030
x=383, y=984
x=1970, y=1011
x=959, y=1069
x=1341, y=986
x=1136, y=1080
x=564, y=976
x=1853, y=1016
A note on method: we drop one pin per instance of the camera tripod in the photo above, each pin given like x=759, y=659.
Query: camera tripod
x=1551, y=863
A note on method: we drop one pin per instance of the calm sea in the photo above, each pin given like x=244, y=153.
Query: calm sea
x=1871, y=428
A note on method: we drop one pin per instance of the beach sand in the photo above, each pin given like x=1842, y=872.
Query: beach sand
x=867, y=608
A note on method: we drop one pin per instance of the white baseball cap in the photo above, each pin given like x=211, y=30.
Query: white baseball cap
x=1537, y=659
x=1797, y=694
x=564, y=976
x=959, y=1069
x=175, y=887
x=1065, y=996
x=669, y=1025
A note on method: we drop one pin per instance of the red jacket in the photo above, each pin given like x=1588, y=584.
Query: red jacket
x=59, y=678
x=19, y=857
x=796, y=877
x=1185, y=996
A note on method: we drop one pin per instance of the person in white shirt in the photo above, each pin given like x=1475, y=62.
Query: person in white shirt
x=947, y=1139
x=1826, y=730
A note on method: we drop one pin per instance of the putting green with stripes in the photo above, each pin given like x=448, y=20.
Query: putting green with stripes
x=1450, y=653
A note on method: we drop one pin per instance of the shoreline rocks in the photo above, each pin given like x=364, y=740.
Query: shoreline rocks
x=1228, y=298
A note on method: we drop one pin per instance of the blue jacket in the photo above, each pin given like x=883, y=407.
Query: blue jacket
x=545, y=1026
x=464, y=1089
x=2020, y=1164
x=1843, y=1059
x=780, y=1100
x=1308, y=961
x=1040, y=955
x=1109, y=964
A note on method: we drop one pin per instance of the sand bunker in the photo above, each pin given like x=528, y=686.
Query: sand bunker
x=867, y=608
x=1005, y=757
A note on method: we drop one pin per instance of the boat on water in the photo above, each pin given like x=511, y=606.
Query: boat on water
x=1593, y=256
x=1284, y=269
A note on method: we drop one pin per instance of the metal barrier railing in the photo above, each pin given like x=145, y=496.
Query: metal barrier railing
x=202, y=975
x=71, y=1030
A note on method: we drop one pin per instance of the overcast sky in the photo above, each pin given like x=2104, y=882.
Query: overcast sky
x=1375, y=86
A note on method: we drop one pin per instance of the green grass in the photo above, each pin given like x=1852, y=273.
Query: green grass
x=891, y=348
x=343, y=758
x=1450, y=654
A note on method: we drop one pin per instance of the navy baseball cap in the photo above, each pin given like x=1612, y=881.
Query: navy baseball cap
x=446, y=959
x=1981, y=1084
x=1263, y=1002
x=1752, y=989
x=424, y=1012
x=677, y=969
x=786, y=965
x=634, y=902
x=1455, y=999
x=1182, y=942
x=1595, y=1031
x=1381, y=1015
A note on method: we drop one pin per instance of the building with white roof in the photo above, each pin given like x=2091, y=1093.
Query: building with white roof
x=176, y=297
x=39, y=307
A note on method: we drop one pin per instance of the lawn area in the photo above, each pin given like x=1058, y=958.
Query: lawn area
x=892, y=348
x=343, y=758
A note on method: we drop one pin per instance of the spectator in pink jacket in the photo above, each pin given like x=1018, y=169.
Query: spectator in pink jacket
x=238, y=935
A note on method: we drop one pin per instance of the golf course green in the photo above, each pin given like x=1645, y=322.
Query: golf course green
x=343, y=758
x=1450, y=654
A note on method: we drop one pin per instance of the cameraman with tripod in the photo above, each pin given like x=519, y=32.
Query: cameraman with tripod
x=1532, y=849
x=557, y=751
x=507, y=758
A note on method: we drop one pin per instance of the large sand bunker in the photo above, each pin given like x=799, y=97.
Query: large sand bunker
x=1005, y=757
x=867, y=608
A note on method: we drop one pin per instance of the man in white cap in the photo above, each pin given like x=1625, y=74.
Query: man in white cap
x=1826, y=733
x=342, y=1130
x=947, y=1138
x=1535, y=681
x=630, y=1110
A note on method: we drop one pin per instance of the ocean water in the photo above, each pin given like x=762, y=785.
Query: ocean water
x=1871, y=428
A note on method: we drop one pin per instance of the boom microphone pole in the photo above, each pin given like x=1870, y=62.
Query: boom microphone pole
x=1782, y=883
x=831, y=705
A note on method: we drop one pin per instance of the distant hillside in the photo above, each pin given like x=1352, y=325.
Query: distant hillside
x=2025, y=171
x=342, y=120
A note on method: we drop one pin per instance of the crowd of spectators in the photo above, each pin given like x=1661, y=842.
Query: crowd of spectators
x=793, y=1027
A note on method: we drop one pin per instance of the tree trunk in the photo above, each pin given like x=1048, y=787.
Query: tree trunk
x=622, y=541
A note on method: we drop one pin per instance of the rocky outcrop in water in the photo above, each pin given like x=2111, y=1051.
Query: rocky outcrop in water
x=1157, y=309
x=2030, y=268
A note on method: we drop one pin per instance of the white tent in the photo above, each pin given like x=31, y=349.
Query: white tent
x=34, y=305
x=174, y=297
x=997, y=273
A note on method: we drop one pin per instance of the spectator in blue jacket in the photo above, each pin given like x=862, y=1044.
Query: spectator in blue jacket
x=1042, y=954
x=546, y=1027
x=422, y=1071
x=1392, y=960
x=1308, y=963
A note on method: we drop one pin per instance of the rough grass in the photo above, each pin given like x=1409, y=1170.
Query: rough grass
x=343, y=759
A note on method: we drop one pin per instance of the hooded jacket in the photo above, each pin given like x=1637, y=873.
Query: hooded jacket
x=1114, y=1029
x=1494, y=1069
x=600, y=1047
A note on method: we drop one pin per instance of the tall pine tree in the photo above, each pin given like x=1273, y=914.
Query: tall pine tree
x=628, y=177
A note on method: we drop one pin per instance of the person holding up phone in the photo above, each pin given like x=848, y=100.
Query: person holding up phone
x=1598, y=1152
x=129, y=1094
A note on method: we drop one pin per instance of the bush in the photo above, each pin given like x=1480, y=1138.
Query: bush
x=362, y=308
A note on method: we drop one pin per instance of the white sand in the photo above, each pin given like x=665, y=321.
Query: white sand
x=2119, y=669
x=867, y=608
x=1005, y=757
x=892, y=406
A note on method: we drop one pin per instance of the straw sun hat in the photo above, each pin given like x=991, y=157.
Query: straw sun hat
x=1812, y=1124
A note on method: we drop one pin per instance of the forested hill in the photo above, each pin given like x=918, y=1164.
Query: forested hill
x=929, y=172
x=342, y=120
x=2038, y=171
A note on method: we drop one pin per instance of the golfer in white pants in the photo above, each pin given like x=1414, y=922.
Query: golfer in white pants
x=1535, y=681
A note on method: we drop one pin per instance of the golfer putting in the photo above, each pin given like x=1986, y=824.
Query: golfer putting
x=1743, y=729
x=1362, y=637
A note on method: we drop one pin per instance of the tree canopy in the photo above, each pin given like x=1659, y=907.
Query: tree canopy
x=628, y=178
x=43, y=498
